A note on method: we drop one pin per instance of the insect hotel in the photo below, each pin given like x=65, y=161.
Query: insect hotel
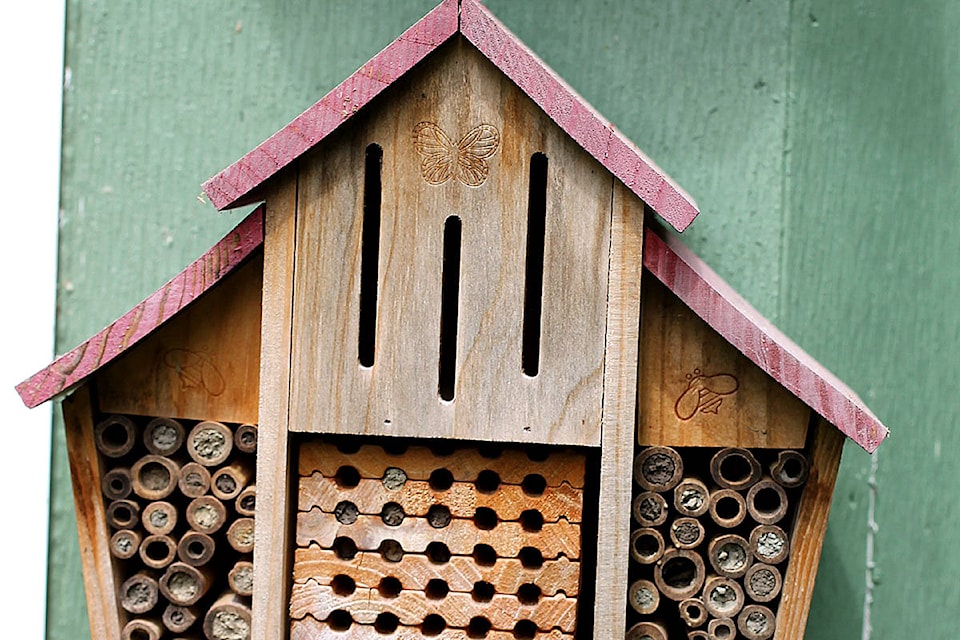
x=459, y=380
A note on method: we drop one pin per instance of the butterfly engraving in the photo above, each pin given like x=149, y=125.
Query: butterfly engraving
x=704, y=394
x=465, y=161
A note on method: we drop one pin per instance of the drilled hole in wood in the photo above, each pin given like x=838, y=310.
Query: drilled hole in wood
x=524, y=630
x=679, y=572
x=478, y=627
x=437, y=589
x=534, y=484
x=485, y=518
x=438, y=516
x=484, y=555
x=441, y=479
x=531, y=520
x=529, y=593
x=449, y=308
x=346, y=512
x=489, y=451
x=389, y=587
x=343, y=585
x=347, y=477
x=433, y=625
x=482, y=591
x=339, y=620
x=487, y=481
x=392, y=514
x=391, y=550
x=349, y=447
x=537, y=453
x=345, y=548
x=438, y=553
x=369, y=256
x=386, y=623
x=531, y=558
x=442, y=448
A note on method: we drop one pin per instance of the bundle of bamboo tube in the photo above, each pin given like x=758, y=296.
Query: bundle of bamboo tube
x=710, y=545
x=179, y=499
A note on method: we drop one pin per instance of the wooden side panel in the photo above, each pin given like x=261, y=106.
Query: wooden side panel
x=271, y=559
x=494, y=399
x=696, y=389
x=202, y=365
x=619, y=413
x=809, y=531
x=98, y=572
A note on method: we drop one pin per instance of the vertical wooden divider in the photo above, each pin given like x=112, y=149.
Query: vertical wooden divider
x=807, y=537
x=99, y=576
x=271, y=559
x=619, y=411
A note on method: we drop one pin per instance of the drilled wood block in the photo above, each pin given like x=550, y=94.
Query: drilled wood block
x=309, y=628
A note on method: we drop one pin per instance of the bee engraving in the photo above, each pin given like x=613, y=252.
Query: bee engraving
x=195, y=370
x=704, y=394
x=464, y=161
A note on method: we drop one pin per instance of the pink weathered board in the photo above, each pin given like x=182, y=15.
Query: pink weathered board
x=701, y=289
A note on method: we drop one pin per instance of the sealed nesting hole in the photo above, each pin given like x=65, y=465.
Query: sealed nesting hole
x=438, y=516
x=485, y=518
x=345, y=548
x=534, y=484
x=339, y=620
x=391, y=551
x=437, y=589
x=438, y=553
x=343, y=585
x=525, y=629
x=479, y=627
x=248, y=502
x=226, y=483
x=347, y=477
x=346, y=512
x=392, y=514
x=484, y=555
x=389, y=587
x=441, y=479
x=154, y=476
x=531, y=520
x=394, y=478
x=386, y=623
x=433, y=625
x=482, y=591
x=487, y=481
x=529, y=593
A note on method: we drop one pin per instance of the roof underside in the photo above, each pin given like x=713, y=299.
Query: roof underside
x=240, y=183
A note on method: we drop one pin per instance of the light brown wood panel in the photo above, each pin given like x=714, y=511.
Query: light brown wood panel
x=202, y=365
x=696, y=390
x=99, y=576
x=458, y=90
x=309, y=628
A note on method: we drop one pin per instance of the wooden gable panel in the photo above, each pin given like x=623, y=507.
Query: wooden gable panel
x=457, y=91
x=696, y=389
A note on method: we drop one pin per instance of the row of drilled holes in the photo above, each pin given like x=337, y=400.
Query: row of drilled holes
x=432, y=625
x=436, y=589
x=534, y=484
x=438, y=553
x=393, y=515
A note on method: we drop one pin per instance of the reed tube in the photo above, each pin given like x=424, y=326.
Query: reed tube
x=643, y=597
x=246, y=503
x=138, y=593
x=154, y=477
x=142, y=629
x=158, y=551
x=245, y=438
x=767, y=502
x=730, y=555
x=195, y=548
x=159, y=517
x=210, y=443
x=686, y=533
x=184, y=585
x=646, y=545
x=762, y=582
x=680, y=574
x=734, y=468
x=123, y=514
x=115, y=436
x=791, y=469
x=691, y=498
x=722, y=629
x=723, y=597
x=226, y=483
x=117, y=484
x=194, y=480
x=163, y=436
x=650, y=509
x=206, y=514
x=698, y=635
x=178, y=619
x=124, y=544
x=769, y=544
x=727, y=508
x=240, y=578
x=692, y=612
x=647, y=631
x=240, y=535
x=757, y=622
x=658, y=468
x=229, y=618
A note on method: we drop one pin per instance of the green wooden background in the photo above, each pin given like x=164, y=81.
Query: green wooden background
x=820, y=137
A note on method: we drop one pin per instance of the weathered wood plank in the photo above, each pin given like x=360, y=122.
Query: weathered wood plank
x=309, y=628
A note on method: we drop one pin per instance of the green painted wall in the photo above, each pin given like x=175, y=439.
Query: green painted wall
x=820, y=139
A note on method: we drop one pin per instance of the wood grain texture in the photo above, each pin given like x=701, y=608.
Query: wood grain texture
x=230, y=186
x=398, y=395
x=700, y=288
x=697, y=390
x=808, y=532
x=309, y=628
x=146, y=317
x=101, y=579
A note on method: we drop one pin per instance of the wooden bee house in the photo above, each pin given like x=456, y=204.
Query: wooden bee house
x=478, y=391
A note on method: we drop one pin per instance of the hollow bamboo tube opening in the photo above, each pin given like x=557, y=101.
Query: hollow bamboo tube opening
x=730, y=555
x=692, y=612
x=680, y=574
x=124, y=544
x=658, y=468
x=163, y=436
x=115, y=436
x=159, y=517
x=194, y=480
x=226, y=483
x=184, y=585
x=646, y=631
x=686, y=533
x=646, y=545
x=727, y=508
x=791, y=469
x=195, y=548
x=757, y=622
x=734, y=468
x=769, y=544
x=698, y=635
x=158, y=551
x=767, y=502
x=650, y=509
x=240, y=535
x=210, y=443
x=117, y=484
x=123, y=514
x=138, y=593
x=762, y=582
x=245, y=438
x=722, y=629
x=178, y=619
x=691, y=498
x=154, y=477
x=240, y=578
x=643, y=597
x=723, y=597
x=228, y=618
x=246, y=504
x=206, y=514
x=141, y=629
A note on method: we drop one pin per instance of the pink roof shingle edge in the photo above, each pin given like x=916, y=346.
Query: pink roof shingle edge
x=562, y=104
x=700, y=288
x=148, y=316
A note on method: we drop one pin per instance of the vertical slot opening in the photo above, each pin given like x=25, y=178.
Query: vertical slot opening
x=369, y=255
x=533, y=284
x=449, y=307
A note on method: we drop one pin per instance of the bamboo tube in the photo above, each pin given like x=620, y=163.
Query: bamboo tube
x=123, y=514
x=240, y=578
x=178, y=618
x=698, y=635
x=185, y=585
x=117, y=484
x=228, y=619
x=727, y=508
x=722, y=629
x=154, y=477
x=195, y=548
x=658, y=468
x=647, y=631
x=769, y=544
x=680, y=574
x=138, y=593
x=691, y=498
x=227, y=482
x=757, y=622
x=158, y=551
x=686, y=533
x=730, y=555
x=650, y=509
x=194, y=480
x=762, y=582
x=692, y=612
x=163, y=436
x=240, y=535
x=723, y=597
x=767, y=502
x=206, y=514
x=124, y=544
x=142, y=629
x=159, y=517
x=246, y=503
x=115, y=436
x=791, y=469
x=646, y=545
x=734, y=468
x=643, y=597
x=245, y=438
x=210, y=443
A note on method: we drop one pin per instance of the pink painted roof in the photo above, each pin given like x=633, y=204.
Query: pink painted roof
x=684, y=273
x=237, y=183
x=148, y=316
